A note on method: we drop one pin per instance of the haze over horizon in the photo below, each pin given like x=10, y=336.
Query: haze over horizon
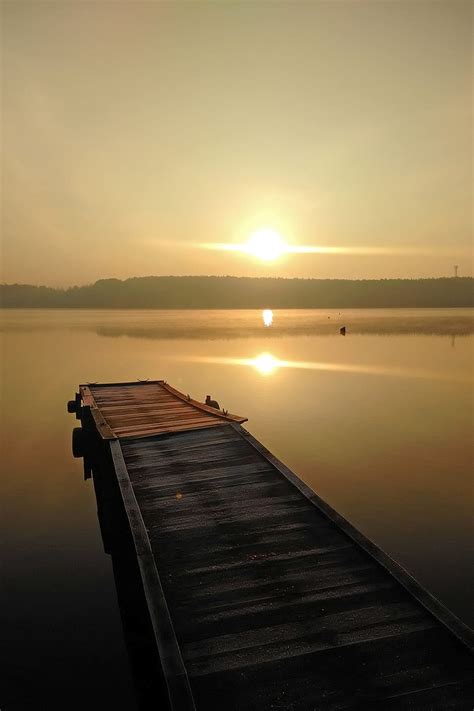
x=135, y=132
x=224, y=277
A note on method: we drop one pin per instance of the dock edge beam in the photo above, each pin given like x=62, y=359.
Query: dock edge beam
x=176, y=677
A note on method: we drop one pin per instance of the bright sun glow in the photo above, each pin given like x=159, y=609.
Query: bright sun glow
x=266, y=244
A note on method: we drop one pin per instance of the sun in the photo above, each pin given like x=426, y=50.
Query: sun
x=266, y=244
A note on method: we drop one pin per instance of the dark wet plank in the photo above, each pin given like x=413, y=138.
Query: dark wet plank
x=273, y=605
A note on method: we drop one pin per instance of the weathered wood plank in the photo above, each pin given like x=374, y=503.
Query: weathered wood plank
x=142, y=409
x=258, y=574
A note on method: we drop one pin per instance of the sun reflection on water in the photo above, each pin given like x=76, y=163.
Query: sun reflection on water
x=267, y=316
x=265, y=363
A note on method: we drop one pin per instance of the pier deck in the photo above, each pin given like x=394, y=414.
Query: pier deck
x=260, y=596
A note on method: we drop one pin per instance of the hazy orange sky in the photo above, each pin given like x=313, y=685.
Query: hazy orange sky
x=133, y=131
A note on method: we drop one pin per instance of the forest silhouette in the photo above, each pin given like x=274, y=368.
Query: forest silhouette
x=226, y=292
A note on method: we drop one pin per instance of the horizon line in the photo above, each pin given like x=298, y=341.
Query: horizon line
x=229, y=276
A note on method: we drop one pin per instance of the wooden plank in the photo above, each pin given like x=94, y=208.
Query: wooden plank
x=140, y=411
x=169, y=425
x=179, y=690
x=145, y=408
x=193, y=439
x=327, y=679
x=86, y=395
x=429, y=602
x=129, y=382
x=169, y=418
x=284, y=650
x=201, y=406
x=102, y=426
x=342, y=622
x=174, y=430
x=144, y=390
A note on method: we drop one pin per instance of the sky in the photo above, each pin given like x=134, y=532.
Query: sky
x=135, y=132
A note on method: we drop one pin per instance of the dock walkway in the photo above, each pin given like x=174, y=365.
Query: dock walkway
x=261, y=596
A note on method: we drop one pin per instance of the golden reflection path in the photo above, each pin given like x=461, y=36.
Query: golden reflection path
x=267, y=364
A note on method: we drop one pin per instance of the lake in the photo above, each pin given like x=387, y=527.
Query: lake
x=378, y=422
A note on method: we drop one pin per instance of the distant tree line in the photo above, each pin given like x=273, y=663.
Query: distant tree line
x=208, y=292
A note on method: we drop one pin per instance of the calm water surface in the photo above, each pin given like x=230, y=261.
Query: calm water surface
x=378, y=422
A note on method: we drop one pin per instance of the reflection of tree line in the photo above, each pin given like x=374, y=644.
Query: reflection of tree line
x=245, y=293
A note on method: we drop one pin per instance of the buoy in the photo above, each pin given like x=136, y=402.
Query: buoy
x=342, y=330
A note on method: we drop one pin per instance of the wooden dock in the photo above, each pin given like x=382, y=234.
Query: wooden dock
x=239, y=587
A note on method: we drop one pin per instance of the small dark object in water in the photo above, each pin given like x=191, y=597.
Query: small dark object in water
x=342, y=330
x=212, y=403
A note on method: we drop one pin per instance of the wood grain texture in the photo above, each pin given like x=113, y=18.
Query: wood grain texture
x=273, y=603
x=142, y=409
